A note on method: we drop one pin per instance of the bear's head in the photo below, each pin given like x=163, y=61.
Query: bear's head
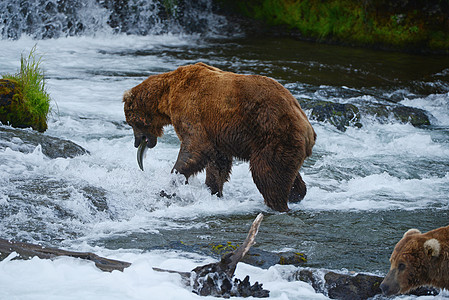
x=135, y=116
x=411, y=262
x=142, y=110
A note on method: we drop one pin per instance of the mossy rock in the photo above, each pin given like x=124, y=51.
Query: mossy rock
x=255, y=256
x=345, y=115
x=404, y=114
x=337, y=114
x=14, y=109
x=412, y=115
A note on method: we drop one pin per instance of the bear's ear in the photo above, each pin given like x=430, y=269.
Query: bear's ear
x=411, y=232
x=432, y=247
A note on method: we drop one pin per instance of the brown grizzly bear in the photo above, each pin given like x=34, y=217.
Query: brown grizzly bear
x=419, y=259
x=219, y=115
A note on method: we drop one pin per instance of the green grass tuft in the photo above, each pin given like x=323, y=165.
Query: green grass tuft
x=31, y=80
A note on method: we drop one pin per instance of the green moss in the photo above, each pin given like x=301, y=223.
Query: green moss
x=223, y=249
x=296, y=258
x=31, y=102
x=370, y=23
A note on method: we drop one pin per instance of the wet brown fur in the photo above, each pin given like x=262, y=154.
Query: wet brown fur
x=219, y=115
x=414, y=265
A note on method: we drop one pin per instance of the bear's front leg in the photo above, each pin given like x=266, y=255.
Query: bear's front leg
x=217, y=173
x=190, y=162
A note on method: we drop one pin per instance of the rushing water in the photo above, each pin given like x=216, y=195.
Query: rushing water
x=366, y=186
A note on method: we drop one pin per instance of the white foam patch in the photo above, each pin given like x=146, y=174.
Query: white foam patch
x=379, y=192
x=71, y=278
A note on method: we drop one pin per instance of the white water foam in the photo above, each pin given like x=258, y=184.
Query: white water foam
x=376, y=167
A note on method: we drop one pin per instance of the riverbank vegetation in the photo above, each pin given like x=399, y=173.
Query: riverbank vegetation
x=400, y=25
x=25, y=101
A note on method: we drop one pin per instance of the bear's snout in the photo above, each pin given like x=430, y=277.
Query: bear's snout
x=385, y=289
x=389, y=285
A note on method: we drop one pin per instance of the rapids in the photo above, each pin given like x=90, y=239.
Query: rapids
x=366, y=186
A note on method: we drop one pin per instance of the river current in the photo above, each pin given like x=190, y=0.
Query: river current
x=366, y=186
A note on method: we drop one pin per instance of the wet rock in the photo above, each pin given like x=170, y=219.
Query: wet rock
x=255, y=256
x=26, y=141
x=401, y=113
x=337, y=114
x=265, y=259
x=8, y=88
x=406, y=114
x=360, y=286
x=348, y=286
x=312, y=278
x=345, y=115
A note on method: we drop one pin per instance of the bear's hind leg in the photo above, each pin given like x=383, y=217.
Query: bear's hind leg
x=217, y=173
x=273, y=178
x=298, y=191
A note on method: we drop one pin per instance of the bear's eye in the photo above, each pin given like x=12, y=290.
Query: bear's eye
x=401, y=267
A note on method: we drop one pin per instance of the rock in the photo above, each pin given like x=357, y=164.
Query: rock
x=255, y=256
x=398, y=112
x=337, y=114
x=7, y=91
x=312, y=278
x=348, y=286
x=416, y=116
x=26, y=141
x=360, y=286
x=265, y=259
x=344, y=115
x=14, y=110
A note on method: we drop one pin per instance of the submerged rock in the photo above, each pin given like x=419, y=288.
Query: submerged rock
x=26, y=141
x=345, y=115
x=337, y=114
x=255, y=256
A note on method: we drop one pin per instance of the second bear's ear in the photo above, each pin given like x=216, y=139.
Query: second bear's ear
x=411, y=232
x=432, y=247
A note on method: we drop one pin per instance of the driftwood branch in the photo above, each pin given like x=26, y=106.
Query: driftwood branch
x=215, y=279
x=28, y=250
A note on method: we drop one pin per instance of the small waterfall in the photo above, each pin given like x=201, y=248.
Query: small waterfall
x=42, y=19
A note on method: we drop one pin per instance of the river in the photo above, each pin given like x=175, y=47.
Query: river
x=366, y=186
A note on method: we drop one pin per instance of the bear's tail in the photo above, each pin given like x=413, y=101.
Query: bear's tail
x=127, y=95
